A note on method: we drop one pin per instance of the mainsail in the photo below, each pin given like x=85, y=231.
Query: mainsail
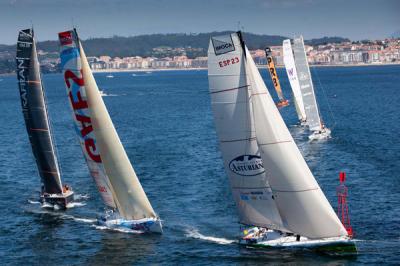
x=229, y=90
x=306, y=85
x=274, y=75
x=127, y=192
x=72, y=70
x=34, y=109
x=301, y=203
x=291, y=71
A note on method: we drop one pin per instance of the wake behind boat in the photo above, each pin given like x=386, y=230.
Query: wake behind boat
x=274, y=190
x=106, y=158
x=34, y=107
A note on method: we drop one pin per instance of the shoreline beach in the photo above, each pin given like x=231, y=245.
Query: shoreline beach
x=116, y=70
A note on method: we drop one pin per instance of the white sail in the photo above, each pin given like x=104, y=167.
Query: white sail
x=235, y=128
x=131, y=199
x=300, y=201
x=306, y=85
x=293, y=79
x=75, y=85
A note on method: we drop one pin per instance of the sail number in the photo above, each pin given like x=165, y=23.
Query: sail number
x=228, y=62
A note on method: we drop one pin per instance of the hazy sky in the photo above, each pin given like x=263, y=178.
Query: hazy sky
x=355, y=19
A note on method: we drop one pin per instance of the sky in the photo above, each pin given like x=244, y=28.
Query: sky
x=353, y=19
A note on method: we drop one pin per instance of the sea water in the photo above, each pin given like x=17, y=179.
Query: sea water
x=165, y=123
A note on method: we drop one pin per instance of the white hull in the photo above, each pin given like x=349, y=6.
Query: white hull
x=146, y=225
x=57, y=201
x=274, y=239
x=320, y=135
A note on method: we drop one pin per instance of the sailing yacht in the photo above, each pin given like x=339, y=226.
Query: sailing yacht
x=109, y=165
x=275, y=80
x=313, y=118
x=34, y=108
x=275, y=192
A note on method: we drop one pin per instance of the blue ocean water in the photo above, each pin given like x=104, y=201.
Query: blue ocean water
x=165, y=122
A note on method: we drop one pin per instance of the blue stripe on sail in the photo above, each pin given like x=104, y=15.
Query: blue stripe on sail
x=68, y=54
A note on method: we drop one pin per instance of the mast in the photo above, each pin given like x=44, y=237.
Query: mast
x=34, y=109
x=229, y=91
x=291, y=71
x=300, y=201
x=306, y=85
x=274, y=75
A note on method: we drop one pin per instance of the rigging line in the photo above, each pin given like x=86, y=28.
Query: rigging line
x=54, y=146
x=52, y=137
x=51, y=127
x=326, y=98
x=247, y=121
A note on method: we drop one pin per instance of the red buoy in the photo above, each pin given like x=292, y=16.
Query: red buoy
x=343, y=208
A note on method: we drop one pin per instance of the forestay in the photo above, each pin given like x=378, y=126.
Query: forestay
x=306, y=85
x=34, y=109
x=75, y=84
x=288, y=60
x=300, y=201
x=235, y=129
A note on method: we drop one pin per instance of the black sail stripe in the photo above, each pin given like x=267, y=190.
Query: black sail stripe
x=272, y=143
x=231, y=89
x=237, y=140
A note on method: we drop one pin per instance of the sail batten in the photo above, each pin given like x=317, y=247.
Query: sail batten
x=306, y=85
x=229, y=92
x=35, y=112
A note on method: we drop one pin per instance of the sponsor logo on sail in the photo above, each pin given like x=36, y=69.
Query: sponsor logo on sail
x=65, y=37
x=24, y=36
x=290, y=72
x=253, y=195
x=223, y=44
x=268, y=51
x=247, y=165
x=303, y=76
x=22, y=83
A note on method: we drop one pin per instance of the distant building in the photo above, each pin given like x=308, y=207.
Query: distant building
x=371, y=52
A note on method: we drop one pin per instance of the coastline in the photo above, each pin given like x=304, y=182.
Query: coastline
x=117, y=70
x=114, y=70
x=342, y=65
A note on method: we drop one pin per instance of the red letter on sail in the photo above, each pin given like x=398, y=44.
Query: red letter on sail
x=89, y=145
